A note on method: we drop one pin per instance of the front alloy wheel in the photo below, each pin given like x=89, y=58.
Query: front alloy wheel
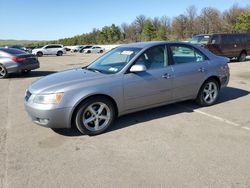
x=95, y=116
x=208, y=93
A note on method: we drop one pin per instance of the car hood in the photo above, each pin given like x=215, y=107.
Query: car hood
x=61, y=81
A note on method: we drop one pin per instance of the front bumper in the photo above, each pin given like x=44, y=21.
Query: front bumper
x=50, y=117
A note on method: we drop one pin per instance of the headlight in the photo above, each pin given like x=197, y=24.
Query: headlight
x=54, y=98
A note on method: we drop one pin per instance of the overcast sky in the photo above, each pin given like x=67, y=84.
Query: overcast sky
x=54, y=19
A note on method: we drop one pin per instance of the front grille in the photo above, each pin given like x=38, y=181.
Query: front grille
x=27, y=96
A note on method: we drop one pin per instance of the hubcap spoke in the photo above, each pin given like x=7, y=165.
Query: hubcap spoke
x=101, y=109
x=91, y=110
x=89, y=119
x=96, y=124
x=104, y=117
x=206, y=97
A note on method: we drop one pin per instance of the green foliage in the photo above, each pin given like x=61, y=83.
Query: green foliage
x=243, y=23
x=148, y=31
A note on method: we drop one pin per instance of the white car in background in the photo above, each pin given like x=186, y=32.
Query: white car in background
x=93, y=49
x=51, y=49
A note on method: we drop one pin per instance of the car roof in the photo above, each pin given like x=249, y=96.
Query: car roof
x=13, y=51
x=151, y=44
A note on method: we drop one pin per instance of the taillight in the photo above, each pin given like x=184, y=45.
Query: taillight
x=18, y=59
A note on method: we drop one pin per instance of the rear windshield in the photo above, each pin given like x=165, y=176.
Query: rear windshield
x=13, y=51
x=200, y=39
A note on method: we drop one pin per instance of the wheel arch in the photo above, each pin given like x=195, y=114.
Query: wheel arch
x=81, y=101
x=215, y=78
x=243, y=51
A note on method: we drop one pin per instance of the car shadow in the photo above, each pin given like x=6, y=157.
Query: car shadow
x=227, y=94
x=31, y=74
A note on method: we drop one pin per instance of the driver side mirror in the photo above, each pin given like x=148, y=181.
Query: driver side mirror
x=138, y=68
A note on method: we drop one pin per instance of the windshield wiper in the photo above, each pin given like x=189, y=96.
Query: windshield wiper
x=92, y=69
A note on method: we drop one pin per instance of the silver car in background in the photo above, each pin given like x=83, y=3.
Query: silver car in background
x=14, y=60
x=128, y=78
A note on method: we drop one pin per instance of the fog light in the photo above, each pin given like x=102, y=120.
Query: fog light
x=42, y=121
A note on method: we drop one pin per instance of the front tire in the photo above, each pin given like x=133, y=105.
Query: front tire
x=208, y=93
x=3, y=72
x=95, y=116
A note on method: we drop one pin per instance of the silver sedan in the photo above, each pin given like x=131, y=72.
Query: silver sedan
x=129, y=78
x=13, y=60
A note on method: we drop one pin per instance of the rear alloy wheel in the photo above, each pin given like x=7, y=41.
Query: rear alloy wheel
x=3, y=72
x=208, y=93
x=242, y=57
x=59, y=53
x=39, y=54
x=95, y=116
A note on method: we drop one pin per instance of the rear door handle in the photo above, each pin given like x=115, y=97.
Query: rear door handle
x=166, y=76
x=202, y=69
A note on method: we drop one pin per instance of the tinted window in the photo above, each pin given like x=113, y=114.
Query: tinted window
x=185, y=54
x=53, y=46
x=13, y=51
x=215, y=39
x=200, y=39
x=154, y=58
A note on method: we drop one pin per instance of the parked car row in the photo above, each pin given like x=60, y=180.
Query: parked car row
x=228, y=45
x=87, y=49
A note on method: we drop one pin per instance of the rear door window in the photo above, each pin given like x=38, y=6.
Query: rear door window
x=185, y=54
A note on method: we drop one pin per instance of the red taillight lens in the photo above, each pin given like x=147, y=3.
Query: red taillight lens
x=18, y=59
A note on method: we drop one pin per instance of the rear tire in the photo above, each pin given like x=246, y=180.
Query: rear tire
x=208, y=93
x=39, y=54
x=60, y=53
x=242, y=56
x=94, y=116
x=101, y=51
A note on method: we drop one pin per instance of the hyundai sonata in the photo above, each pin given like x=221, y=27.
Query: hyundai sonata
x=128, y=78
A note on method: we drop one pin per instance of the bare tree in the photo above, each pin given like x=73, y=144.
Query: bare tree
x=210, y=21
x=179, y=27
x=191, y=14
x=139, y=23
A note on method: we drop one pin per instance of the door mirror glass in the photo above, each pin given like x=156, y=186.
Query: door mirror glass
x=138, y=68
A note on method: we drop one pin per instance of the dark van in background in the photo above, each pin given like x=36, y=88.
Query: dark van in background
x=228, y=45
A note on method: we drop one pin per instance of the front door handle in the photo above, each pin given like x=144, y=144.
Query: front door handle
x=202, y=69
x=166, y=76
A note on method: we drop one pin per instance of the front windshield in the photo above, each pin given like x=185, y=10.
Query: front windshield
x=114, y=61
x=204, y=39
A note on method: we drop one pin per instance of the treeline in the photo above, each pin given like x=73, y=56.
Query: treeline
x=182, y=27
